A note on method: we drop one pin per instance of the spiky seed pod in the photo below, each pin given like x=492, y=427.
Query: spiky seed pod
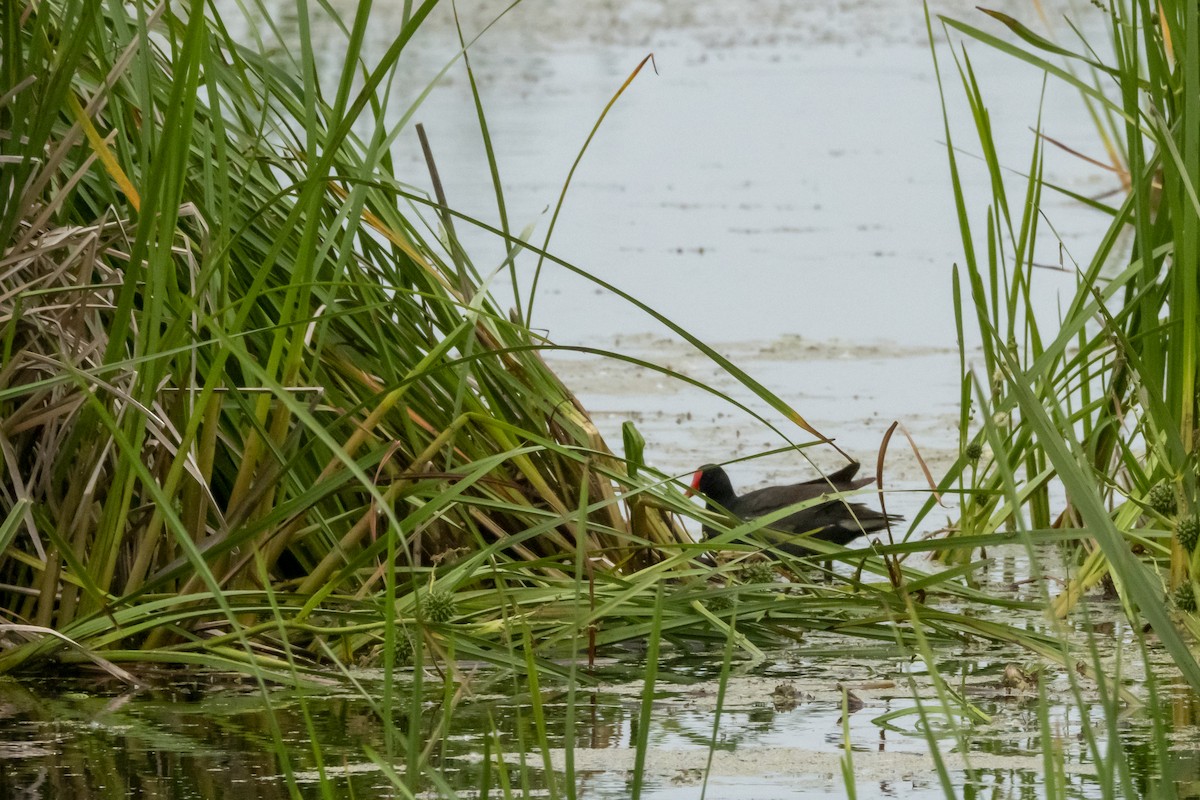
x=1161, y=498
x=1185, y=597
x=1187, y=531
x=439, y=607
x=974, y=452
x=404, y=647
x=757, y=572
x=719, y=602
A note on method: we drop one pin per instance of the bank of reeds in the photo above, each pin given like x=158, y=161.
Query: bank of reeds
x=1103, y=399
x=235, y=359
x=259, y=411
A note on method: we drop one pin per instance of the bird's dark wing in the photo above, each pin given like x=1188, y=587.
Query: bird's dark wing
x=772, y=498
x=831, y=522
x=834, y=522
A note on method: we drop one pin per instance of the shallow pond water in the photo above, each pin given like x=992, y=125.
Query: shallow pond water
x=780, y=736
x=780, y=732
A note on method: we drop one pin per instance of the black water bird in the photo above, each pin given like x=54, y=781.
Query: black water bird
x=835, y=520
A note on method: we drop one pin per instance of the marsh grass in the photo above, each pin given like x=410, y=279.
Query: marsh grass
x=240, y=366
x=259, y=411
x=1112, y=683
x=1103, y=399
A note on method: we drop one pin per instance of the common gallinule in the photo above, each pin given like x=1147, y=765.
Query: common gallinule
x=837, y=521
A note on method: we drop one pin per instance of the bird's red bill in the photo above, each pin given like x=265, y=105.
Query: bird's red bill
x=695, y=483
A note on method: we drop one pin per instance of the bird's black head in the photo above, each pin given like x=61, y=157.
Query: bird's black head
x=713, y=483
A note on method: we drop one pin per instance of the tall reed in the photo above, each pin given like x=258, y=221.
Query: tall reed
x=259, y=411
x=1103, y=399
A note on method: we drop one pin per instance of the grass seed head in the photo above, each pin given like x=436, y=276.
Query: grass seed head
x=973, y=452
x=440, y=607
x=1187, y=530
x=1185, y=597
x=1161, y=498
x=719, y=602
x=404, y=647
x=757, y=572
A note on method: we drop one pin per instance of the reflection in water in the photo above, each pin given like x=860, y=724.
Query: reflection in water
x=219, y=740
x=188, y=741
x=160, y=745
